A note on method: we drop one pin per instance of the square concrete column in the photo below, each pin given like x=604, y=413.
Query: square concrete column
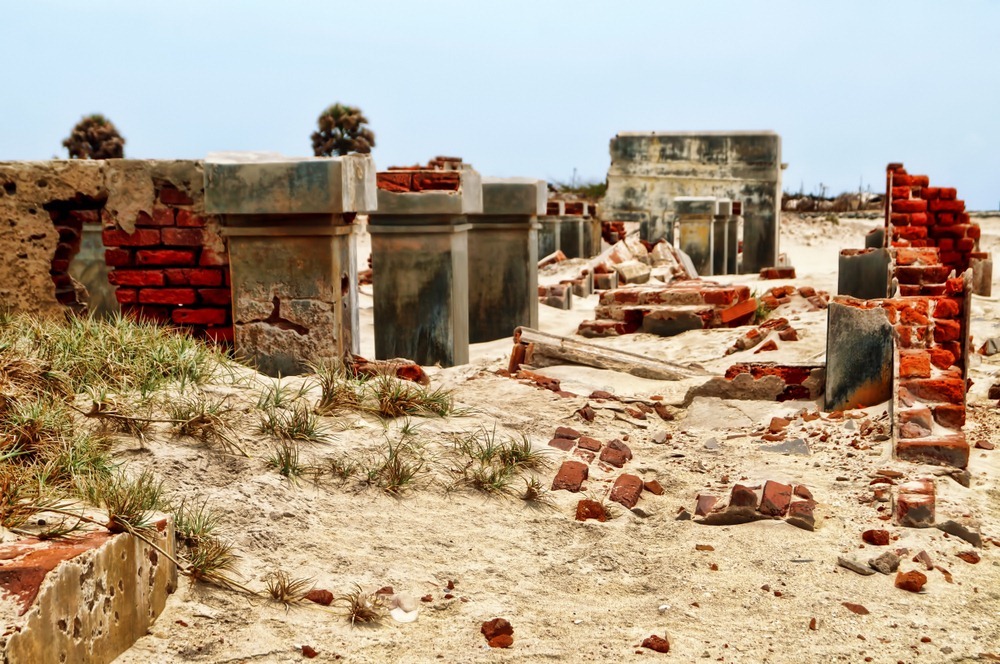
x=695, y=220
x=503, y=258
x=420, y=265
x=292, y=253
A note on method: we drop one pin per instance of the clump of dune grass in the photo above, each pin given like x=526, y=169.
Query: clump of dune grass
x=361, y=607
x=491, y=463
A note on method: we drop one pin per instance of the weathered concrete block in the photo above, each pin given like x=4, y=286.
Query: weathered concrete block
x=292, y=254
x=503, y=256
x=982, y=275
x=84, y=600
x=270, y=183
x=864, y=273
x=633, y=272
x=859, y=357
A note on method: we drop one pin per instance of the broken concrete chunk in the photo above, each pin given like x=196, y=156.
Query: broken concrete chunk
x=854, y=566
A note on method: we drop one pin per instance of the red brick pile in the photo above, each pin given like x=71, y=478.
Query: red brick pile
x=573, y=473
x=173, y=268
x=775, y=500
x=622, y=310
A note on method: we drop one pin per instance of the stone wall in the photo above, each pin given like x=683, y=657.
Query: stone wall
x=650, y=169
x=162, y=254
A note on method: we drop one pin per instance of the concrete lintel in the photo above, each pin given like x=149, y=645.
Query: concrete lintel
x=514, y=196
x=266, y=183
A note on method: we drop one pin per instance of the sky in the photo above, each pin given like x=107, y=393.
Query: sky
x=521, y=88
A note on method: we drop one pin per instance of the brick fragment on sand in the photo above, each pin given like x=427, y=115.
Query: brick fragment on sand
x=591, y=509
x=742, y=496
x=566, y=432
x=588, y=443
x=656, y=643
x=498, y=633
x=913, y=581
x=775, y=499
x=802, y=491
x=564, y=444
x=626, y=490
x=324, y=597
x=705, y=503
x=801, y=514
x=856, y=608
x=653, y=487
x=616, y=453
x=570, y=477
x=876, y=537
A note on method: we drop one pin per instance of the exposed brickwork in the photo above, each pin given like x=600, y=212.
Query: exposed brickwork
x=69, y=218
x=173, y=268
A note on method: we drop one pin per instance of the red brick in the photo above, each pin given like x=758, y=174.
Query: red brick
x=947, y=206
x=775, y=499
x=193, y=277
x=126, y=295
x=911, y=232
x=190, y=237
x=570, y=477
x=946, y=308
x=941, y=358
x=142, y=237
x=626, y=490
x=914, y=364
x=974, y=231
x=397, y=181
x=955, y=285
x=950, y=415
x=217, y=296
x=117, y=257
x=210, y=257
x=915, y=205
x=164, y=257
x=739, y=312
x=706, y=502
x=927, y=193
x=948, y=390
x=719, y=296
x=162, y=216
x=920, y=219
x=966, y=244
x=590, y=509
x=436, y=181
x=136, y=277
x=219, y=335
x=900, y=192
x=801, y=514
x=952, y=450
x=947, y=330
x=876, y=537
x=742, y=496
x=616, y=453
x=564, y=444
x=900, y=219
x=588, y=443
x=566, y=432
x=199, y=316
x=912, y=581
x=167, y=296
x=946, y=219
x=188, y=219
x=914, y=510
x=948, y=193
x=653, y=487
x=172, y=196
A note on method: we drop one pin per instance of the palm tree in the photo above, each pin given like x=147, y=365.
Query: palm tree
x=342, y=129
x=95, y=137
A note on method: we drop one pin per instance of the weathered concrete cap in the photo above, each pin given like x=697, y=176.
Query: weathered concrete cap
x=467, y=200
x=514, y=196
x=695, y=205
x=270, y=183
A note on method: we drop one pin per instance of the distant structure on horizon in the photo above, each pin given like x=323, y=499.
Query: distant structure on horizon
x=649, y=170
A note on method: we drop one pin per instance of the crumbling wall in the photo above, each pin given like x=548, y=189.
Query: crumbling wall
x=650, y=169
x=164, y=255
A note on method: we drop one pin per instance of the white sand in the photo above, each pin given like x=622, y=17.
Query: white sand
x=591, y=592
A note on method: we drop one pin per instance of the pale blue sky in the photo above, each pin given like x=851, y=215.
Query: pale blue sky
x=520, y=88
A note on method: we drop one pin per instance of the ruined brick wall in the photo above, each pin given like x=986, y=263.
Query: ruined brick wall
x=166, y=257
x=173, y=268
x=926, y=216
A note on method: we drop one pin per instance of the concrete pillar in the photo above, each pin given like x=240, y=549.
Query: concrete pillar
x=695, y=218
x=860, y=357
x=503, y=257
x=864, y=273
x=292, y=253
x=420, y=277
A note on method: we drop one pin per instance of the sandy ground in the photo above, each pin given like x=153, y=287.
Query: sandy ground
x=591, y=592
